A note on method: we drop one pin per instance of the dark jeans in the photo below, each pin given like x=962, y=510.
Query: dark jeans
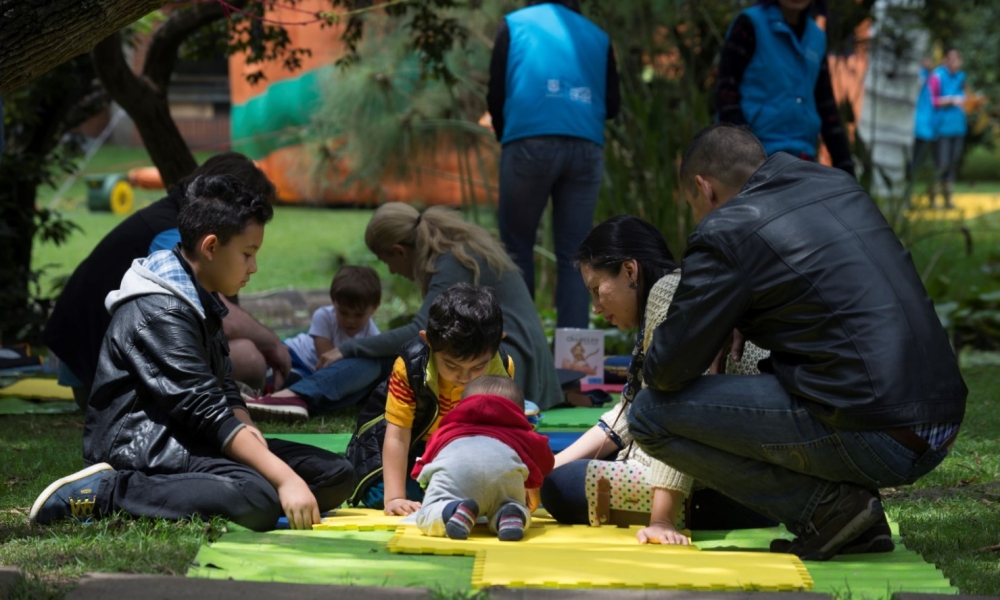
x=570, y=170
x=564, y=496
x=218, y=486
x=947, y=156
x=345, y=383
x=744, y=436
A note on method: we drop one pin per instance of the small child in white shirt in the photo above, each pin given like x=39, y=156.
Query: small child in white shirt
x=325, y=382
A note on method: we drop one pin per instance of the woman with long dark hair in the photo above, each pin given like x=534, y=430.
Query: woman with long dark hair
x=632, y=276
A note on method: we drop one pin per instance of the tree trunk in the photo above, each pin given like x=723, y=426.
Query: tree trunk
x=144, y=97
x=38, y=35
x=148, y=108
x=44, y=111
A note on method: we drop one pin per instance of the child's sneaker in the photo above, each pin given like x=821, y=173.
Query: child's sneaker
x=72, y=496
x=461, y=522
x=510, y=524
x=288, y=409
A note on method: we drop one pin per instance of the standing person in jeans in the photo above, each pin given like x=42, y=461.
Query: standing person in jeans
x=862, y=389
x=553, y=83
x=924, y=128
x=947, y=86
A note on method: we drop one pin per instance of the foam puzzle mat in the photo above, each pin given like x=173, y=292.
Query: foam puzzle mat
x=363, y=557
x=359, y=519
x=36, y=388
x=571, y=418
x=563, y=556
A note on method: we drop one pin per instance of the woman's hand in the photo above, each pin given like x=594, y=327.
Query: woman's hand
x=661, y=533
x=401, y=507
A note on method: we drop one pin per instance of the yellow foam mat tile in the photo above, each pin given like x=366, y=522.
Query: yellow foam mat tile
x=359, y=519
x=37, y=389
x=647, y=567
x=578, y=556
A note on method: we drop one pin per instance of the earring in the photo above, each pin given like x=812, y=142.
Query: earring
x=633, y=285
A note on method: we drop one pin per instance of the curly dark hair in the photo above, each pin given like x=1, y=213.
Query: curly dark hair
x=221, y=205
x=465, y=322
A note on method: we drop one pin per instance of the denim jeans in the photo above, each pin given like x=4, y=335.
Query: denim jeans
x=345, y=383
x=570, y=170
x=744, y=436
x=219, y=486
x=947, y=156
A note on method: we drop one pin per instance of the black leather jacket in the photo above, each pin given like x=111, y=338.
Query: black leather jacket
x=162, y=392
x=803, y=263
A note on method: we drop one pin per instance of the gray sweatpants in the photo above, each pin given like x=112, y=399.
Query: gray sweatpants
x=477, y=467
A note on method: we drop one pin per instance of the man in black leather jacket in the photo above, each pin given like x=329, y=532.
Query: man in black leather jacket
x=167, y=432
x=862, y=389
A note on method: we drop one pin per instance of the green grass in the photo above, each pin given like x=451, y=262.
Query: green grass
x=949, y=516
x=941, y=255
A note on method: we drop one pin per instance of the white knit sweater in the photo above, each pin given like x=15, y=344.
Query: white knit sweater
x=658, y=474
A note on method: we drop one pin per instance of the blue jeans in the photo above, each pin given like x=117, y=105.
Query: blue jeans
x=947, y=156
x=570, y=170
x=345, y=383
x=744, y=436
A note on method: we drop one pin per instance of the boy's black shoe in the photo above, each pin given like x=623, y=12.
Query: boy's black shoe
x=837, y=522
x=875, y=539
x=72, y=496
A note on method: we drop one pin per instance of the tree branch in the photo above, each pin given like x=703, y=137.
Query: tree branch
x=168, y=37
x=38, y=35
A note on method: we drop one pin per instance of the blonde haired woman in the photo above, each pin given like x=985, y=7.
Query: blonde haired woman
x=437, y=249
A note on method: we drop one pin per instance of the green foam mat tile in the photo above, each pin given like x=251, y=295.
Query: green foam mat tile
x=327, y=557
x=18, y=406
x=869, y=576
x=571, y=418
x=334, y=442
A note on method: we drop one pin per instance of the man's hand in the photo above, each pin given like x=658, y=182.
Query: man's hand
x=328, y=358
x=661, y=533
x=401, y=507
x=298, y=503
x=733, y=348
x=279, y=359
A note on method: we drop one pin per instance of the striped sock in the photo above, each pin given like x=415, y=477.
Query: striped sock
x=462, y=520
x=510, y=524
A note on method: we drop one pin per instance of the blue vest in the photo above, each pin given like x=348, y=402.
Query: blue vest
x=556, y=75
x=778, y=87
x=951, y=119
x=923, y=118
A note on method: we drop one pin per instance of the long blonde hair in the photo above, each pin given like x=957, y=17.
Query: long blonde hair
x=436, y=231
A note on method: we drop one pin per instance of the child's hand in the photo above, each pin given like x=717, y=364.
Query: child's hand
x=299, y=504
x=328, y=358
x=401, y=507
x=534, y=497
x=661, y=533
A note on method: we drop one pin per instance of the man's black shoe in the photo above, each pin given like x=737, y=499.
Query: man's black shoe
x=838, y=521
x=875, y=539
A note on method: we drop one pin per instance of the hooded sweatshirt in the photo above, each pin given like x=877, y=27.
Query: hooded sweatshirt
x=161, y=389
x=499, y=418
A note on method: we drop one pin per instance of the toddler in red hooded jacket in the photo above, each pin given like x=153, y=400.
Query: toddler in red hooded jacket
x=484, y=459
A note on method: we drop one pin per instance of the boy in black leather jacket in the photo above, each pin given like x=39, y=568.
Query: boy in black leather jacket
x=167, y=433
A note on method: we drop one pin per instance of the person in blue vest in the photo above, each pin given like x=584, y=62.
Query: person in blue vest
x=947, y=87
x=553, y=83
x=774, y=78
x=924, y=129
